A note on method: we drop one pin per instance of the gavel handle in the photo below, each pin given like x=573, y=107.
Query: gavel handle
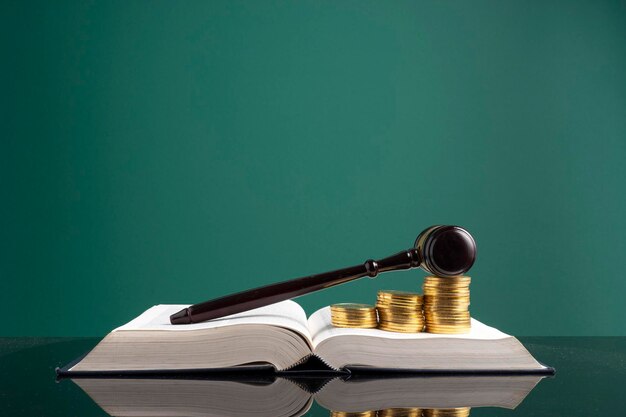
x=269, y=294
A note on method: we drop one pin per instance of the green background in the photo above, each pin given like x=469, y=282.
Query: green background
x=170, y=152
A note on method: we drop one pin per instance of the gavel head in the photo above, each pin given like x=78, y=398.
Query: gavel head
x=446, y=250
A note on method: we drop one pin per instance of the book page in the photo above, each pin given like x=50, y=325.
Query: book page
x=321, y=329
x=287, y=314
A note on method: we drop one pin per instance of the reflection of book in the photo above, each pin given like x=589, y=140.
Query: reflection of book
x=281, y=335
x=427, y=392
x=177, y=397
x=283, y=397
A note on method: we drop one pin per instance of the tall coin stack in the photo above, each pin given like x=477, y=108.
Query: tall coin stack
x=353, y=315
x=446, y=304
x=447, y=412
x=400, y=311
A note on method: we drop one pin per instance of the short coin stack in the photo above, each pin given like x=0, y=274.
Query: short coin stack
x=400, y=311
x=400, y=412
x=447, y=412
x=353, y=315
x=446, y=303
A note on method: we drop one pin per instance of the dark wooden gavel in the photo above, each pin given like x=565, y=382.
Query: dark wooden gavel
x=440, y=250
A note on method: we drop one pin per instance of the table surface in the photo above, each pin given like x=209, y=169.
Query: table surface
x=590, y=378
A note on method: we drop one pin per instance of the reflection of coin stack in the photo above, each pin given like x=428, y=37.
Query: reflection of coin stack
x=446, y=303
x=355, y=414
x=400, y=311
x=447, y=412
x=353, y=315
x=400, y=412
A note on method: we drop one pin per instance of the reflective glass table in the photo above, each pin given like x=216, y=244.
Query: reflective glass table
x=590, y=380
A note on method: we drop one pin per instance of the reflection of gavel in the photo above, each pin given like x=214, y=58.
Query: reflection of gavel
x=440, y=250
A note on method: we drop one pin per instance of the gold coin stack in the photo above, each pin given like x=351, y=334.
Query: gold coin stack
x=353, y=315
x=447, y=412
x=400, y=412
x=371, y=413
x=446, y=303
x=400, y=311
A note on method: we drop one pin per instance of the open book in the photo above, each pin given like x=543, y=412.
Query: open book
x=281, y=336
x=285, y=397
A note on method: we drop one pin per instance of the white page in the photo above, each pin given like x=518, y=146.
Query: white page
x=321, y=329
x=287, y=314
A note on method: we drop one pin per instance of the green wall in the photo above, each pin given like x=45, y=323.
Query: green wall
x=170, y=152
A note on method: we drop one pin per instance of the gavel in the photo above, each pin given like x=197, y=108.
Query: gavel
x=444, y=251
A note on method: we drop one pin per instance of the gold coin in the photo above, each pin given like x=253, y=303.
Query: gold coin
x=456, y=329
x=371, y=413
x=403, y=322
x=400, y=310
x=400, y=412
x=355, y=323
x=445, y=297
x=443, y=305
x=400, y=302
x=409, y=305
x=447, y=321
x=444, y=292
x=446, y=412
x=428, y=295
x=447, y=324
x=396, y=293
x=398, y=313
x=340, y=318
x=392, y=315
x=371, y=314
x=368, y=316
x=449, y=282
x=458, y=280
x=402, y=328
x=399, y=306
x=351, y=307
x=446, y=284
x=400, y=296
